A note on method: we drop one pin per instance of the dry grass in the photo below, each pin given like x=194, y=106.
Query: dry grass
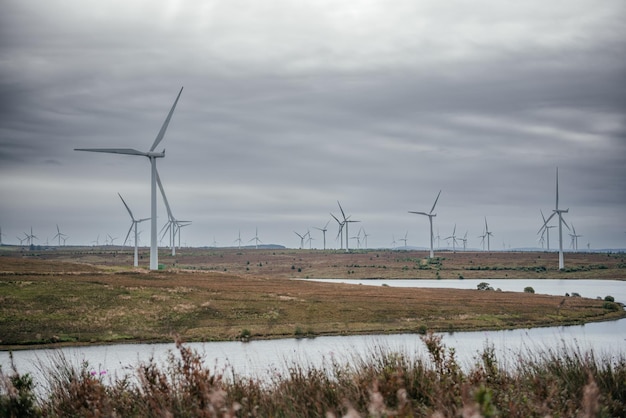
x=562, y=383
x=54, y=297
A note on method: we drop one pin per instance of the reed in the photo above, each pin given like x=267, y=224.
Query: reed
x=383, y=383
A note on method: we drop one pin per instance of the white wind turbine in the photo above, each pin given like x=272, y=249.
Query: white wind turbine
x=30, y=238
x=238, y=240
x=256, y=239
x=365, y=235
x=59, y=235
x=574, y=238
x=487, y=234
x=173, y=225
x=133, y=225
x=464, y=239
x=559, y=213
x=302, y=238
x=430, y=215
x=346, y=221
x=340, y=232
x=152, y=155
x=324, y=229
x=405, y=239
x=393, y=241
x=453, y=237
x=1, y=235
x=546, y=229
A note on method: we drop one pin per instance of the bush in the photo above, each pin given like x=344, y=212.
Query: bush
x=484, y=286
x=611, y=306
x=609, y=298
x=529, y=289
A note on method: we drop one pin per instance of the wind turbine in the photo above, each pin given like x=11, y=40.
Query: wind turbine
x=393, y=241
x=21, y=240
x=464, y=239
x=30, y=237
x=152, y=155
x=346, y=221
x=1, y=235
x=58, y=235
x=65, y=239
x=310, y=239
x=111, y=239
x=302, y=237
x=340, y=232
x=430, y=215
x=405, y=239
x=238, y=240
x=324, y=229
x=453, y=237
x=256, y=239
x=559, y=213
x=546, y=228
x=133, y=225
x=574, y=238
x=487, y=234
x=365, y=235
x=173, y=225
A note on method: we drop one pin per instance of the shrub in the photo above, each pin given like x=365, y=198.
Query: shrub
x=609, y=298
x=529, y=289
x=484, y=286
x=611, y=306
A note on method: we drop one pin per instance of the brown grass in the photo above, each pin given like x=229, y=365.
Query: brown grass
x=54, y=297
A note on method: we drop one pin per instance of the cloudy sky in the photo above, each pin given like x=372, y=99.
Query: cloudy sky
x=290, y=106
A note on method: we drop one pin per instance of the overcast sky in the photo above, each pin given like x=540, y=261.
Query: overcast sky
x=289, y=106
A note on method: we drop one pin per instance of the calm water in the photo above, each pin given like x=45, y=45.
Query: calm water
x=261, y=358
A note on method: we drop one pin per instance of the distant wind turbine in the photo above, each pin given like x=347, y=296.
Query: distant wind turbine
x=574, y=237
x=393, y=241
x=488, y=234
x=346, y=221
x=430, y=215
x=21, y=240
x=59, y=235
x=238, y=240
x=133, y=225
x=1, y=235
x=30, y=238
x=453, y=237
x=173, y=225
x=546, y=229
x=405, y=239
x=464, y=239
x=152, y=155
x=324, y=229
x=365, y=235
x=302, y=238
x=559, y=213
x=256, y=239
x=340, y=231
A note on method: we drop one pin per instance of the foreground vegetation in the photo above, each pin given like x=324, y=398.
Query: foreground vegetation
x=561, y=383
x=47, y=301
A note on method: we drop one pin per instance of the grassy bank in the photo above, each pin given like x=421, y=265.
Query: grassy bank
x=44, y=300
x=565, y=383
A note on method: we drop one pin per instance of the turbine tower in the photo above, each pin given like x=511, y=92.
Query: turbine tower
x=238, y=240
x=574, y=238
x=133, y=225
x=559, y=213
x=152, y=155
x=405, y=239
x=430, y=215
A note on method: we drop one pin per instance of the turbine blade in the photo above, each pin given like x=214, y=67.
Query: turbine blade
x=126, y=151
x=129, y=231
x=420, y=213
x=161, y=134
x=167, y=205
x=127, y=208
x=435, y=204
x=341, y=209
